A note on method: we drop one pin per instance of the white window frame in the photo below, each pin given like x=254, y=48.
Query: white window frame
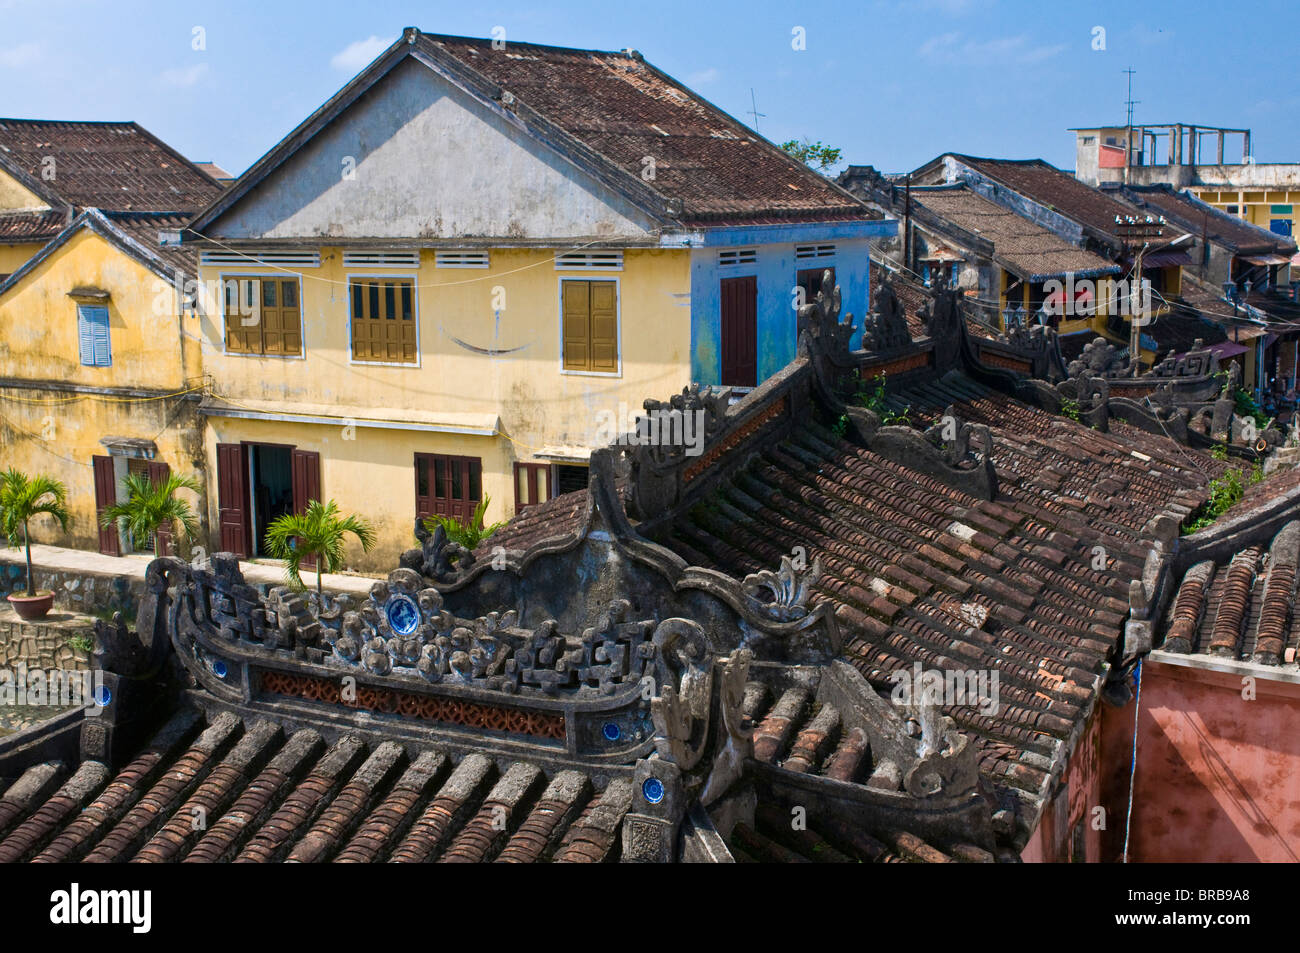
x=302, y=316
x=585, y=264
x=350, y=261
x=618, y=318
x=415, y=316
x=445, y=258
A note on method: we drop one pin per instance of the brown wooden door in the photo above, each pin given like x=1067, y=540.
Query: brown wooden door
x=232, y=498
x=106, y=495
x=447, y=486
x=165, y=537
x=532, y=484
x=306, y=486
x=740, y=331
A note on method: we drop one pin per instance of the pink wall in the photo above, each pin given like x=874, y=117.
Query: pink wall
x=1065, y=830
x=1218, y=776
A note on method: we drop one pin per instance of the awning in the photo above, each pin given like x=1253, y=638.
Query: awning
x=333, y=415
x=564, y=453
x=1226, y=349
x=1169, y=258
x=1268, y=259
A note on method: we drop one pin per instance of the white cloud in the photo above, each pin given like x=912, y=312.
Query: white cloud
x=24, y=54
x=1020, y=49
x=702, y=77
x=356, y=56
x=187, y=76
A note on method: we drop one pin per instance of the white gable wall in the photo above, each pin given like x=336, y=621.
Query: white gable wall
x=431, y=162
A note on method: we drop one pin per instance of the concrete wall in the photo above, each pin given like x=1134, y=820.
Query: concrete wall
x=14, y=195
x=44, y=644
x=775, y=270
x=55, y=430
x=13, y=257
x=428, y=161
x=1218, y=776
x=75, y=590
x=521, y=380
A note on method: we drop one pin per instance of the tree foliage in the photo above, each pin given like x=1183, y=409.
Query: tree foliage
x=816, y=155
x=150, y=507
x=22, y=498
x=317, y=532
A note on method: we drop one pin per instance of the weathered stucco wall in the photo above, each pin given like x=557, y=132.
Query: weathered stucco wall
x=14, y=195
x=1218, y=776
x=426, y=160
x=56, y=430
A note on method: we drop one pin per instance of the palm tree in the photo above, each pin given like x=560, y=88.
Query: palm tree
x=151, y=506
x=470, y=534
x=317, y=531
x=21, y=498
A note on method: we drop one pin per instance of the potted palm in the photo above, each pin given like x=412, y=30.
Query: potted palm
x=469, y=534
x=22, y=498
x=151, y=507
x=316, y=533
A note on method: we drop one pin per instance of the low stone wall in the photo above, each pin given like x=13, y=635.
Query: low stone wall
x=77, y=590
x=44, y=644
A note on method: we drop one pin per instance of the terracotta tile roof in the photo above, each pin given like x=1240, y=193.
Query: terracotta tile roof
x=1241, y=607
x=914, y=296
x=20, y=227
x=920, y=572
x=625, y=109
x=272, y=795
x=144, y=228
x=1199, y=218
x=1028, y=250
x=115, y=166
x=1058, y=190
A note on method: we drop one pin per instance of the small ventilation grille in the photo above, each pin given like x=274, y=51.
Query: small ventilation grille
x=245, y=258
x=590, y=261
x=459, y=258
x=381, y=259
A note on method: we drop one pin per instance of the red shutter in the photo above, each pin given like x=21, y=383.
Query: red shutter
x=158, y=473
x=232, y=498
x=739, y=331
x=306, y=486
x=106, y=495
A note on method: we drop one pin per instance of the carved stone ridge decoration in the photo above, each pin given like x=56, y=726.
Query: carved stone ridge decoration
x=1099, y=358
x=885, y=326
x=788, y=590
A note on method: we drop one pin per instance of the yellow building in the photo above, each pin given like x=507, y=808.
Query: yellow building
x=452, y=283
x=99, y=362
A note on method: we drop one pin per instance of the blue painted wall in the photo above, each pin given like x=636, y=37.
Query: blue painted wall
x=775, y=270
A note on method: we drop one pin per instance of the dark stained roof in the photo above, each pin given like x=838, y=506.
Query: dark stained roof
x=1049, y=186
x=144, y=227
x=1179, y=330
x=1200, y=218
x=271, y=795
x=116, y=166
x=1023, y=248
x=625, y=109
x=22, y=227
x=914, y=296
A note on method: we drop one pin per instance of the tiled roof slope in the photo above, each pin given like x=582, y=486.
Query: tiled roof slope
x=625, y=109
x=144, y=228
x=920, y=572
x=1028, y=250
x=914, y=296
x=1050, y=186
x=115, y=166
x=21, y=227
x=269, y=795
x=1198, y=217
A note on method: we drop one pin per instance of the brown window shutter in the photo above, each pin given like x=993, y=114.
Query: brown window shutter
x=106, y=495
x=158, y=473
x=576, y=301
x=232, y=498
x=604, y=326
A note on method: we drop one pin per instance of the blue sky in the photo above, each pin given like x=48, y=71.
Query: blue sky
x=891, y=82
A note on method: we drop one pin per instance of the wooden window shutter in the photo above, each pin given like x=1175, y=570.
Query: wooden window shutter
x=576, y=318
x=232, y=498
x=158, y=473
x=106, y=495
x=93, y=336
x=604, y=326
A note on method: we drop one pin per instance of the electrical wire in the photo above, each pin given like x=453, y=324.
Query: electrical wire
x=1132, y=773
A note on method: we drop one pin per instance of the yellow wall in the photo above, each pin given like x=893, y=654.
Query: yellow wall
x=58, y=431
x=13, y=257
x=539, y=406
x=1255, y=205
x=16, y=196
x=38, y=322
